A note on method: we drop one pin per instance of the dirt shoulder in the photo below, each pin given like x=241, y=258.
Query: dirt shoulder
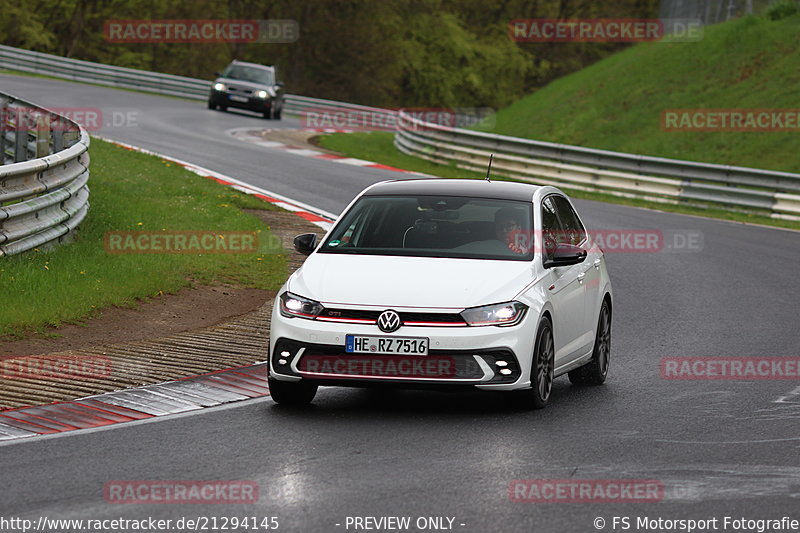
x=191, y=308
x=195, y=331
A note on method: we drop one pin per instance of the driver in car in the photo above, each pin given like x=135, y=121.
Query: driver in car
x=508, y=228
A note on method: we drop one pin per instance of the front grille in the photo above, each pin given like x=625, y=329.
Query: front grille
x=319, y=361
x=407, y=318
x=447, y=318
x=239, y=90
x=432, y=367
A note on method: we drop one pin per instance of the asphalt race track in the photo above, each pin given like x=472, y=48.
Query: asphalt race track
x=720, y=448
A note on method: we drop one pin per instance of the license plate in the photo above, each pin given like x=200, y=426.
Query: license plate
x=386, y=345
x=236, y=98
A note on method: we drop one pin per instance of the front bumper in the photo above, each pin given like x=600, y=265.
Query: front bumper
x=223, y=98
x=311, y=350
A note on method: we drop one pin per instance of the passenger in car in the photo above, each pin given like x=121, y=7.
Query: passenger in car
x=509, y=230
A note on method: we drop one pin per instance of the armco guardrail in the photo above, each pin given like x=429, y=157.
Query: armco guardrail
x=652, y=178
x=86, y=71
x=43, y=183
x=331, y=109
x=142, y=80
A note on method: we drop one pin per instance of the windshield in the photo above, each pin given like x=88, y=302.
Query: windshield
x=253, y=74
x=434, y=226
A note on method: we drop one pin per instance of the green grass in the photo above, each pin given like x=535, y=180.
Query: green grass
x=379, y=147
x=616, y=104
x=133, y=191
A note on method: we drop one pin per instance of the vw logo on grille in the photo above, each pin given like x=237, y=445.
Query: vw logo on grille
x=389, y=321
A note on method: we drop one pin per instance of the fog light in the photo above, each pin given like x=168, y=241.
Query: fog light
x=285, y=354
x=282, y=361
x=501, y=363
x=505, y=371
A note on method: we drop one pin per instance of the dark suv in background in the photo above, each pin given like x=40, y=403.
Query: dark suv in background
x=248, y=86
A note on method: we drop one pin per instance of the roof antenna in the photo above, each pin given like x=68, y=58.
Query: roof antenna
x=489, y=170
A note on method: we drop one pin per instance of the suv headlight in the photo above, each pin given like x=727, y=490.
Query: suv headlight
x=505, y=314
x=219, y=86
x=293, y=305
x=262, y=94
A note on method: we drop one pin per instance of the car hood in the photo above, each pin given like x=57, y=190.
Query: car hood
x=391, y=281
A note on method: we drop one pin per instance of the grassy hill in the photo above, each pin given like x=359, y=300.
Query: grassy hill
x=616, y=104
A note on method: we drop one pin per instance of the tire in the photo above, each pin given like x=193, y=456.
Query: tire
x=278, y=113
x=595, y=371
x=289, y=393
x=212, y=105
x=223, y=107
x=542, y=367
x=268, y=115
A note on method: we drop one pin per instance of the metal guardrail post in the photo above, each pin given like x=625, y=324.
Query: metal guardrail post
x=42, y=135
x=70, y=137
x=57, y=130
x=20, y=135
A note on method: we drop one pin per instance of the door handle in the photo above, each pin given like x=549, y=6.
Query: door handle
x=581, y=276
x=597, y=264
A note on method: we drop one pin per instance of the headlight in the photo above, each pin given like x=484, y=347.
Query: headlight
x=219, y=86
x=261, y=94
x=293, y=305
x=506, y=314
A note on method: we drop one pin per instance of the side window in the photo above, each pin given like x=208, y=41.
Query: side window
x=551, y=227
x=573, y=231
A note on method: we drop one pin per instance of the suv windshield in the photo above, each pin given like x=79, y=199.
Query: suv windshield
x=434, y=226
x=253, y=74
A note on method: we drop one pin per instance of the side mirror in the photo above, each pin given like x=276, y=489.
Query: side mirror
x=565, y=255
x=279, y=83
x=307, y=243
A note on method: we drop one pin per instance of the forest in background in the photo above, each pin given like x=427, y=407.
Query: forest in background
x=378, y=52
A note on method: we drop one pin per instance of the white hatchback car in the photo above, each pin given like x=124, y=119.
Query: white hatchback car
x=445, y=283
